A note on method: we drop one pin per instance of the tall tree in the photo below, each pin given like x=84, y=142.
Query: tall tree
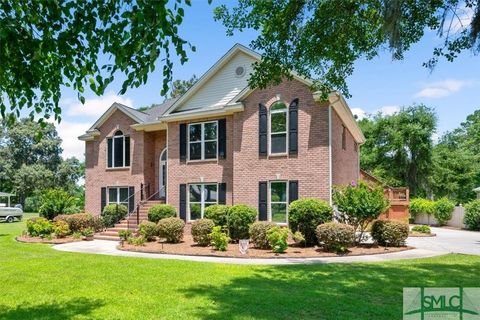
x=179, y=87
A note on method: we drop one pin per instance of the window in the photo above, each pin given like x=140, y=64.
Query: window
x=278, y=128
x=118, y=151
x=279, y=201
x=344, y=138
x=202, y=140
x=118, y=195
x=201, y=196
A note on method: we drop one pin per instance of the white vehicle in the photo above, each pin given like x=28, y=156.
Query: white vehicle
x=7, y=213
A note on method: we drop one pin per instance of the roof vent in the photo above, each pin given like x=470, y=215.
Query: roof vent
x=240, y=71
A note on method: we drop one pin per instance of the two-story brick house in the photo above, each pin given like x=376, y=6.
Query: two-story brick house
x=224, y=142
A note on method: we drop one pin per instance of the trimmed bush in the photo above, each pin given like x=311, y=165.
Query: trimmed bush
x=420, y=205
x=389, y=232
x=98, y=224
x=422, y=229
x=258, y=233
x=240, y=217
x=113, y=213
x=171, y=229
x=277, y=239
x=39, y=227
x=88, y=232
x=201, y=228
x=472, y=215
x=442, y=210
x=61, y=229
x=304, y=215
x=161, y=211
x=148, y=230
x=218, y=213
x=335, y=237
x=298, y=237
x=54, y=202
x=218, y=239
x=124, y=234
x=136, y=241
x=77, y=222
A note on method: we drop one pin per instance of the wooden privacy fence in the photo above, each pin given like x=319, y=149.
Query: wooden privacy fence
x=456, y=221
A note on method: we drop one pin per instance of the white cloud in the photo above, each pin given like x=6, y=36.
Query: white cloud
x=359, y=113
x=94, y=107
x=388, y=110
x=444, y=88
x=385, y=110
x=69, y=132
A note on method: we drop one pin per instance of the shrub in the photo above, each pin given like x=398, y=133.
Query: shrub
x=472, y=215
x=304, y=215
x=98, y=224
x=422, y=229
x=442, y=210
x=88, y=232
x=148, y=230
x=240, y=217
x=420, y=205
x=124, y=234
x=161, y=211
x=77, y=235
x=55, y=202
x=201, y=228
x=218, y=239
x=61, y=229
x=277, y=239
x=391, y=233
x=77, y=222
x=39, y=227
x=113, y=213
x=335, y=237
x=218, y=213
x=298, y=237
x=258, y=233
x=136, y=241
x=171, y=229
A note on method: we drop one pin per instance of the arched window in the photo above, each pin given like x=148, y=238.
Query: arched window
x=278, y=128
x=118, y=150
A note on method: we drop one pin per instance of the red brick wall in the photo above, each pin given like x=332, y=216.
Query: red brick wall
x=155, y=142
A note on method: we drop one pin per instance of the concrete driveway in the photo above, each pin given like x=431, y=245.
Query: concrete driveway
x=449, y=241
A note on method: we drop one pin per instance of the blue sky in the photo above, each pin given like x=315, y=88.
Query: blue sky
x=377, y=85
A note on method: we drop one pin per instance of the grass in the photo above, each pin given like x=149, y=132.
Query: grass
x=38, y=282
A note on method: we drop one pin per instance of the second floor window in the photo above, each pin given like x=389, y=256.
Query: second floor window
x=118, y=151
x=202, y=140
x=278, y=128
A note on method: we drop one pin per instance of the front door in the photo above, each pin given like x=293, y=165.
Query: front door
x=163, y=174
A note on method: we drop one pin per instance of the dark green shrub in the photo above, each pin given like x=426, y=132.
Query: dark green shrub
x=218, y=239
x=161, y=211
x=420, y=205
x=171, y=229
x=218, y=213
x=472, y=215
x=201, y=228
x=304, y=215
x=98, y=224
x=335, y=237
x=61, y=229
x=77, y=222
x=148, y=230
x=113, y=213
x=277, y=239
x=240, y=217
x=55, y=202
x=442, y=210
x=124, y=234
x=390, y=233
x=422, y=229
x=33, y=203
x=39, y=227
x=258, y=233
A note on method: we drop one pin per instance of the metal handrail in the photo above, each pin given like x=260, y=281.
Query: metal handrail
x=137, y=208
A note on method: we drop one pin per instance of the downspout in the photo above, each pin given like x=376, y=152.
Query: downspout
x=330, y=163
x=168, y=167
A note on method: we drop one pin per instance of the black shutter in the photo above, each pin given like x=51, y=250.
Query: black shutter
x=222, y=193
x=293, y=127
x=262, y=129
x=222, y=138
x=127, y=151
x=183, y=142
x=183, y=201
x=103, y=197
x=262, y=201
x=109, y=153
x=292, y=190
x=131, y=199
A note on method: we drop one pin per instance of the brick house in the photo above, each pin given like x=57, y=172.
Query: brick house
x=223, y=142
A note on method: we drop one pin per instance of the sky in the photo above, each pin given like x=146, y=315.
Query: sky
x=378, y=85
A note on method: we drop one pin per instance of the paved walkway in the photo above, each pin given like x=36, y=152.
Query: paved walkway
x=446, y=241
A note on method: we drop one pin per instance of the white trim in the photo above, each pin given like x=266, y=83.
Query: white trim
x=160, y=173
x=330, y=162
x=202, y=199
x=270, y=153
x=118, y=200
x=204, y=113
x=123, y=136
x=202, y=140
x=166, y=147
x=269, y=201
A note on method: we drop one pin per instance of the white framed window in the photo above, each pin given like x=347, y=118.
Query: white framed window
x=279, y=202
x=200, y=196
x=278, y=124
x=118, y=151
x=203, y=140
x=118, y=195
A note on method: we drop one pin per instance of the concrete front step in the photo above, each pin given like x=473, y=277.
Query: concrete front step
x=102, y=237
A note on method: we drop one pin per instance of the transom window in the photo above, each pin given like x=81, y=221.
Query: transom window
x=200, y=196
x=278, y=128
x=202, y=140
x=118, y=150
x=279, y=201
x=118, y=195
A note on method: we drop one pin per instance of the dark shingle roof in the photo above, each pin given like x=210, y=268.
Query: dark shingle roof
x=158, y=110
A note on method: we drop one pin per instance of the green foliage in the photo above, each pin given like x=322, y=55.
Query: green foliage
x=218, y=213
x=148, y=230
x=298, y=237
x=124, y=234
x=77, y=235
x=442, y=210
x=218, y=239
x=258, y=233
x=304, y=215
x=359, y=205
x=61, y=229
x=98, y=224
x=113, y=213
x=240, y=217
x=88, y=232
x=77, y=222
x=55, y=202
x=335, y=237
x=472, y=215
x=161, y=211
x=422, y=229
x=136, y=241
x=171, y=229
x=421, y=205
x=39, y=227
x=201, y=229
x=277, y=239
x=179, y=87
x=390, y=233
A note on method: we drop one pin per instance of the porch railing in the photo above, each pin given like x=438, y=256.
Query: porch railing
x=136, y=211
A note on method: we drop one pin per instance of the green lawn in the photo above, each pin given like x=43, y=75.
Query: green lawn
x=37, y=282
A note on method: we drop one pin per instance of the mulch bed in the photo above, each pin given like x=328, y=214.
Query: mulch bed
x=415, y=234
x=51, y=241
